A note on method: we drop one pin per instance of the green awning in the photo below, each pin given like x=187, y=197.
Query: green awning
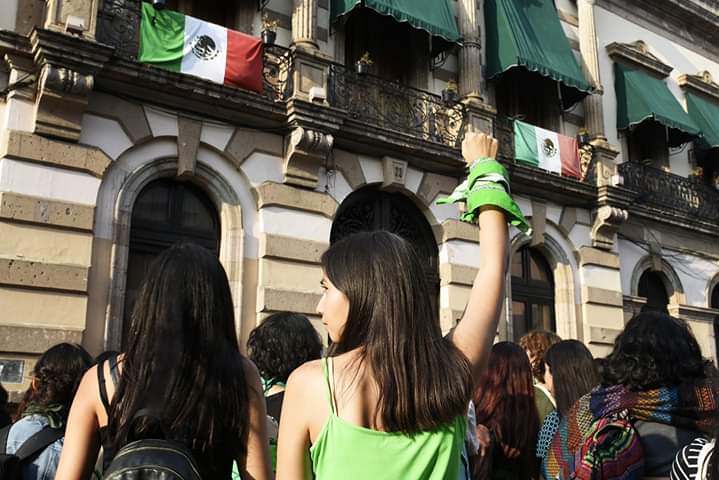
x=433, y=16
x=705, y=114
x=528, y=34
x=642, y=97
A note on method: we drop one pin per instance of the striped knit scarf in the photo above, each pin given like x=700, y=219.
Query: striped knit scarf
x=691, y=406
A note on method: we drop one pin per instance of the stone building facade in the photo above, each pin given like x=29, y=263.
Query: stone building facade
x=105, y=161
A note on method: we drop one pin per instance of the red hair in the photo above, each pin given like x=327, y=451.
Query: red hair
x=504, y=401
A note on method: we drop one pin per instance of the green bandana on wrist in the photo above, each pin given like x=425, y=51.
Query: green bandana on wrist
x=487, y=184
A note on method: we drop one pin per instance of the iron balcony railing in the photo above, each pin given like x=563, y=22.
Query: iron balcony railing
x=663, y=189
x=393, y=106
x=119, y=26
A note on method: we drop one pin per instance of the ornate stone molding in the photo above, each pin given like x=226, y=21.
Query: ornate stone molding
x=702, y=82
x=607, y=221
x=638, y=53
x=307, y=150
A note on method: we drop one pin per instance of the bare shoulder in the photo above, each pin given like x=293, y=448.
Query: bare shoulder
x=307, y=378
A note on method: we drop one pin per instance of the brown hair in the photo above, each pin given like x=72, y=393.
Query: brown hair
x=536, y=343
x=504, y=402
x=423, y=379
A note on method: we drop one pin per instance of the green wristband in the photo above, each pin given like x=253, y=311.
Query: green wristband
x=484, y=166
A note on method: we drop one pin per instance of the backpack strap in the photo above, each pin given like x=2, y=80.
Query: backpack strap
x=4, y=434
x=38, y=442
x=103, y=388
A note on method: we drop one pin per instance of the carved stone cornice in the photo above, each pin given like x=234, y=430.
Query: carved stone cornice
x=74, y=53
x=702, y=82
x=638, y=53
x=693, y=24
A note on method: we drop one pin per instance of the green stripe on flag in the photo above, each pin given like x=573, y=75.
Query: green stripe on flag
x=525, y=143
x=162, y=37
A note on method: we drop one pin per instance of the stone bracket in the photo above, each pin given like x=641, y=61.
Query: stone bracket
x=67, y=68
x=307, y=151
x=607, y=221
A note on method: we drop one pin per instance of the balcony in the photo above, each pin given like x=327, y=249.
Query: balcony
x=388, y=105
x=665, y=190
x=119, y=24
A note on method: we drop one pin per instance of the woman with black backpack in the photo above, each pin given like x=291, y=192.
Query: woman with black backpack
x=36, y=437
x=181, y=402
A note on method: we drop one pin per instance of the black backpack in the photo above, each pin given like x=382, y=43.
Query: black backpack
x=152, y=459
x=11, y=463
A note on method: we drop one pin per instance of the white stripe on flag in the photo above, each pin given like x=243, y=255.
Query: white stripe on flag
x=205, y=51
x=548, y=150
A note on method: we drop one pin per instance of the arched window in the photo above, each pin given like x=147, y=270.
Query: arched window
x=166, y=211
x=371, y=209
x=651, y=287
x=532, y=293
x=714, y=299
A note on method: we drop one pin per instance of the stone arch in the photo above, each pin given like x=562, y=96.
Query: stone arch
x=225, y=186
x=712, y=290
x=555, y=249
x=672, y=283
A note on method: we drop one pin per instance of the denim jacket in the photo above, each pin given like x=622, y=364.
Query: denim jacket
x=45, y=465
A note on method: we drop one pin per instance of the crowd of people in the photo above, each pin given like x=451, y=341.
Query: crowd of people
x=391, y=397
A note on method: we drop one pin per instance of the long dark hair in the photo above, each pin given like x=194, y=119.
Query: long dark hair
x=504, y=402
x=182, y=360
x=423, y=380
x=281, y=343
x=654, y=350
x=56, y=376
x=574, y=372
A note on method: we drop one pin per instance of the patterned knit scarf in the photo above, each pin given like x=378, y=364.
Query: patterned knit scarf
x=691, y=406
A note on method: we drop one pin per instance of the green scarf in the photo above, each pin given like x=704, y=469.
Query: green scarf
x=487, y=184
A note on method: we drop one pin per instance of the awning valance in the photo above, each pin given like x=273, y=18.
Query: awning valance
x=642, y=97
x=433, y=16
x=705, y=114
x=528, y=34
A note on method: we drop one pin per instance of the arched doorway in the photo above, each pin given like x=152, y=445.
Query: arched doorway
x=165, y=212
x=532, y=293
x=652, y=287
x=371, y=209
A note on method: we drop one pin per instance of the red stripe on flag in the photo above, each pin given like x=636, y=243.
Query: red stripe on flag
x=244, y=61
x=569, y=154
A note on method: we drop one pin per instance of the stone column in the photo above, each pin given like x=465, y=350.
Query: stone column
x=470, y=59
x=594, y=117
x=304, y=24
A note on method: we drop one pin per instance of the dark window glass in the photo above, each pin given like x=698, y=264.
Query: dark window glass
x=166, y=212
x=651, y=287
x=532, y=293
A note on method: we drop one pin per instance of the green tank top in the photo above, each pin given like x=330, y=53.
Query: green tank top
x=347, y=451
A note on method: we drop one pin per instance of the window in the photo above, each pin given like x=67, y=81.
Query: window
x=714, y=300
x=532, y=293
x=651, y=287
x=166, y=212
x=648, y=144
x=399, y=52
x=529, y=97
x=234, y=14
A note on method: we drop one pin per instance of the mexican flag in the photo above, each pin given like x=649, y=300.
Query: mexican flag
x=546, y=149
x=186, y=44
